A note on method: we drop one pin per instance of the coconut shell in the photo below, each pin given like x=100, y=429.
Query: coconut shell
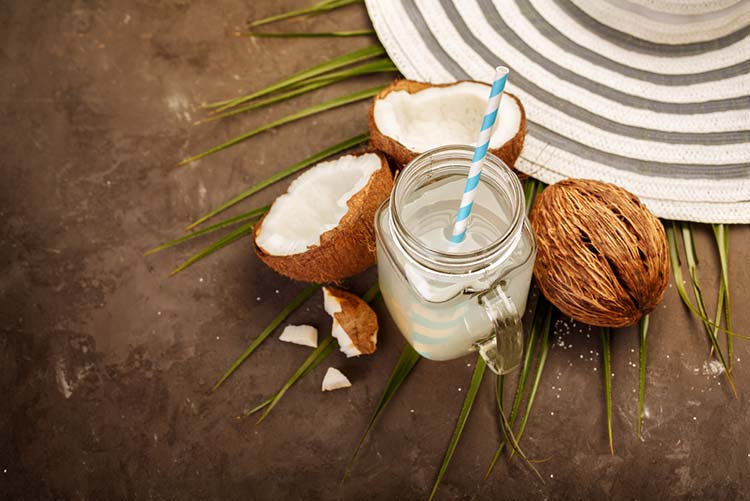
x=602, y=256
x=347, y=249
x=402, y=155
x=358, y=320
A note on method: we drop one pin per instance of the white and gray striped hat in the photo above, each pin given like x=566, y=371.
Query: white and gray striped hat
x=652, y=95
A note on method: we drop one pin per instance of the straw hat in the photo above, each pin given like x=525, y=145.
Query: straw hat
x=651, y=95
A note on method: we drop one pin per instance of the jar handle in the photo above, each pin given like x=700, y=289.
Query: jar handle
x=503, y=349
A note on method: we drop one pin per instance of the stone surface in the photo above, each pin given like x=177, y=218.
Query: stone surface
x=106, y=362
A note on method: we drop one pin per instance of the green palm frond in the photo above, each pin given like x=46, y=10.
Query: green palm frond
x=313, y=159
x=605, y=335
x=299, y=78
x=283, y=314
x=318, y=8
x=643, y=334
x=309, y=34
x=312, y=110
x=471, y=394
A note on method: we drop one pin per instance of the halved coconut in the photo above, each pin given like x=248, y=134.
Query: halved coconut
x=322, y=229
x=355, y=325
x=334, y=380
x=408, y=118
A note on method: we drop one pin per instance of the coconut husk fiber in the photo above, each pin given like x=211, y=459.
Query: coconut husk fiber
x=602, y=256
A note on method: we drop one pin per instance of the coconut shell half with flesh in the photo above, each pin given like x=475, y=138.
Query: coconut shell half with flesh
x=408, y=118
x=322, y=229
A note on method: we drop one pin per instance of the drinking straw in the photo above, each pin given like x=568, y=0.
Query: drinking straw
x=483, y=143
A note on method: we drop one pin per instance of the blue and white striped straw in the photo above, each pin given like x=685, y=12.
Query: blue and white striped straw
x=483, y=143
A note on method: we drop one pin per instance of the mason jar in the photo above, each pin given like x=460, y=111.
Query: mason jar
x=450, y=300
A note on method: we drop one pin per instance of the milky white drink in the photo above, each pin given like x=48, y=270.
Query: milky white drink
x=447, y=298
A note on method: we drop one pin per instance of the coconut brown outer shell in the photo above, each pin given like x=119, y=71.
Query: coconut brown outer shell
x=347, y=249
x=402, y=155
x=357, y=319
x=603, y=257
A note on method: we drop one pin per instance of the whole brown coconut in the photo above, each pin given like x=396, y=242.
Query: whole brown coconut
x=402, y=155
x=603, y=257
x=345, y=250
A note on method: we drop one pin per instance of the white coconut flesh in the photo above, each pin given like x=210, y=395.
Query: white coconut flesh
x=305, y=335
x=334, y=380
x=438, y=116
x=315, y=203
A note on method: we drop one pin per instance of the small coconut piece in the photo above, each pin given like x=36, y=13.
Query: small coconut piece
x=305, y=335
x=408, y=118
x=334, y=380
x=322, y=229
x=355, y=325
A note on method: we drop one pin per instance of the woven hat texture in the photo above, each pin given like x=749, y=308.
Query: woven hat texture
x=650, y=95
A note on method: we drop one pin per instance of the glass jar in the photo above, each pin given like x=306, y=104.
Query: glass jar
x=450, y=300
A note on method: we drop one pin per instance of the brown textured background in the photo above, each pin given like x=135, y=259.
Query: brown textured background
x=105, y=362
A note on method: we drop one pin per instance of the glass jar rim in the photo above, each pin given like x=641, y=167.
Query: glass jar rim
x=443, y=159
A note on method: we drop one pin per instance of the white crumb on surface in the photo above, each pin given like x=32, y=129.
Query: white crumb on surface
x=712, y=368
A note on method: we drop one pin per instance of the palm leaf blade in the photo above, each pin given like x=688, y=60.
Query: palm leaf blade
x=692, y=262
x=230, y=238
x=318, y=8
x=383, y=65
x=255, y=213
x=471, y=394
x=541, y=361
x=721, y=234
x=313, y=34
x=513, y=441
x=253, y=105
x=317, y=157
x=318, y=108
x=330, y=65
x=303, y=296
x=313, y=360
x=605, y=335
x=539, y=329
x=406, y=362
x=679, y=281
x=306, y=86
x=643, y=334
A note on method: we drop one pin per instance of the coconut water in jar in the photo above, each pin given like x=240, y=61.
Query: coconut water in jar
x=449, y=300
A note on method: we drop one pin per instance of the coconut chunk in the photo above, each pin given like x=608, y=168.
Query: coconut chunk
x=305, y=335
x=322, y=229
x=355, y=325
x=408, y=118
x=334, y=380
